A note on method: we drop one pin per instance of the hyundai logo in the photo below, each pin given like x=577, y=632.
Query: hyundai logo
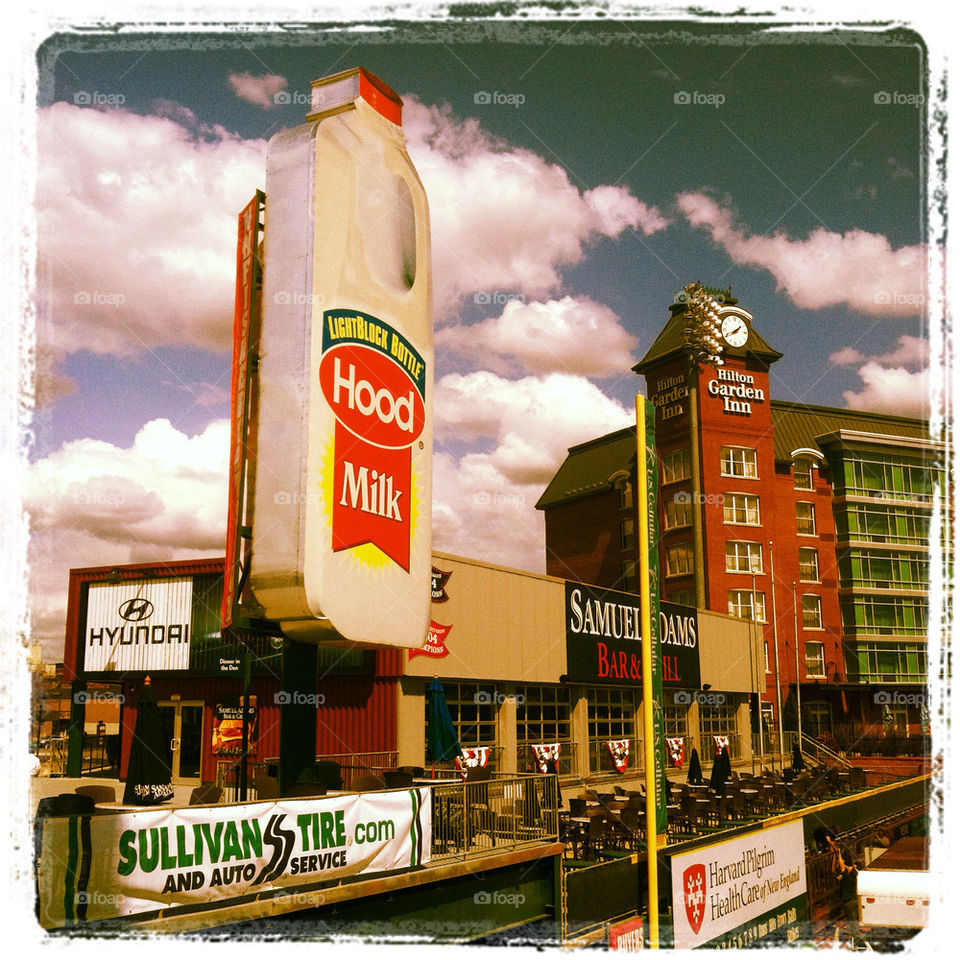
x=136, y=609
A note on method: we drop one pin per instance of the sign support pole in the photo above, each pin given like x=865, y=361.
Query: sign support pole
x=649, y=745
x=244, y=725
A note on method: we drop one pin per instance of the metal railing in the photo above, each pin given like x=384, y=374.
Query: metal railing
x=477, y=818
x=351, y=766
x=526, y=762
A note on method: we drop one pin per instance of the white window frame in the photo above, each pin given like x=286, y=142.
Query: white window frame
x=749, y=502
x=803, y=611
x=672, y=551
x=681, y=454
x=816, y=564
x=743, y=461
x=682, y=506
x=739, y=600
x=812, y=518
x=750, y=556
x=807, y=644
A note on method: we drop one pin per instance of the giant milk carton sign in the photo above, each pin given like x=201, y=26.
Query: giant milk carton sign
x=741, y=890
x=341, y=519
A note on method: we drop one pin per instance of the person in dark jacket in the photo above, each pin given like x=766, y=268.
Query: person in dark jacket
x=798, y=763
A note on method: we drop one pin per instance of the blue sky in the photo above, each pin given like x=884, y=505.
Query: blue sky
x=579, y=173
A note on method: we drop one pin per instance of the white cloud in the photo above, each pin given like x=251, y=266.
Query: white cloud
x=893, y=390
x=502, y=218
x=92, y=503
x=260, y=91
x=136, y=229
x=573, y=334
x=825, y=269
x=910, y=351
x=484, y=500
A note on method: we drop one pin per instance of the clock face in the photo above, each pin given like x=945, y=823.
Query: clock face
x=734, y=330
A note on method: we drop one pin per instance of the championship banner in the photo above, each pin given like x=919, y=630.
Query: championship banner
x=547, y=756
x=743, y=890
x=435, y=644
x=100, y=867
x=471, y=757
x=719, y=743
x=620, y=752
x=675, y=751
x=374, y=382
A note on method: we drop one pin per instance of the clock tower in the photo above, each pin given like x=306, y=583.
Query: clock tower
x=715, y=449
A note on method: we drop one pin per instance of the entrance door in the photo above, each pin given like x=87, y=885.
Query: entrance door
x=183, y=736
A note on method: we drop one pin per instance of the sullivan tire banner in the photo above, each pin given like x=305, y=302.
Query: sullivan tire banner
x=106, y=866
x=742, y=890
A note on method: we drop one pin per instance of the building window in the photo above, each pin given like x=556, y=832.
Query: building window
x=473, y=710
x=766, y=657
x=813, y=657
x=543, y=716
x=811, y=611
x=899, y=524
x=627, y=541
x=676, y=465
x=803, y=474
x=744, y=556
x=741, y=508
x=890, y=477
x=809, y=565
x=885, y=614
x=625, y=489
x=884, y=662
x=679, y=559
x=747, y=605
x=675, y=719
x=738, y=462
x=628, y=575
x=817, y=716
x=678, y=512
x=686, y=598
x=611, y=715
x=887, y=570
x=806, y=521
x=718, y=720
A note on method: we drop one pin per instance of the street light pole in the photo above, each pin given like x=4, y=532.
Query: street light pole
x=796, y=654
x=776, y=656
x=703, y=345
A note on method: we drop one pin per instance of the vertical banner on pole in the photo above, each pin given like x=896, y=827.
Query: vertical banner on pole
x=649, y=488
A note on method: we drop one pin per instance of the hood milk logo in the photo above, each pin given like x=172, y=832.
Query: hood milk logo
x=695, y=894
x=136, y=609
x=374, y=382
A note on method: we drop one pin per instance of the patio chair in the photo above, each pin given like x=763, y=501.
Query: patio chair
x=267, y=788
x=578, y=806
x=397, y=778
x=306, y=788
x=99, y=793
x=205, y=795
x=367, y=782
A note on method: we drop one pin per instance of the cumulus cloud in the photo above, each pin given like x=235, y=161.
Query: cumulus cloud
x=893, y=390
x=910, y=351
x=824, y=269
x=260, y=91
x=136, y=229
x=167, y=490
x=484, y=500
x=573, y=334
x=503, y=219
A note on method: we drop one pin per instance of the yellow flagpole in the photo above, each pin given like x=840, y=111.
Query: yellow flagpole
x=649, y=762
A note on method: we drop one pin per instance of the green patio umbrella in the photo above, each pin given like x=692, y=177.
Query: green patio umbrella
x=442, y=742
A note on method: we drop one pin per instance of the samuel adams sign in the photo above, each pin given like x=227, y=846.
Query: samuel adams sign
x=603, y=630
